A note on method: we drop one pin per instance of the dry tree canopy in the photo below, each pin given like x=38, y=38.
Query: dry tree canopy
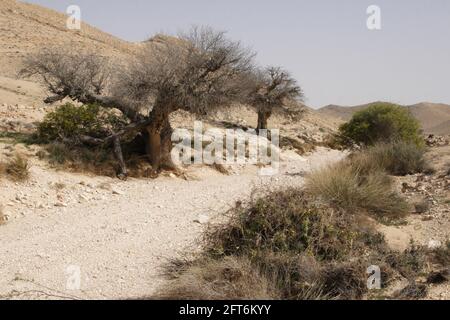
x=274, y=88
x=199, y=71
x=67, y=73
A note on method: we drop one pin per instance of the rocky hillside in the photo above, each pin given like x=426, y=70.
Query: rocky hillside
x=434, y=117
x=27, y=27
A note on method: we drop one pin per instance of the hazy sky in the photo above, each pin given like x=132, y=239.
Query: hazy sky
x=325, y=43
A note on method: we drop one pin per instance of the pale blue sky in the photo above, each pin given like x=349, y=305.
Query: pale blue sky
x=324, y=43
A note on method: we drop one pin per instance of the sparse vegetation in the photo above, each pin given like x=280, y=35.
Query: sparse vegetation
x=410, y=263
x=295, y=247
x=442, y=255
x=302, y=249
x=413, y=291
x=397, y=158
x=17, y=168
x=75, y=137
x=422, y=206
x=381, y=122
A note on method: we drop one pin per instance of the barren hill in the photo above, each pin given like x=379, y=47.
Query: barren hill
x=434, y=117
x=27, y=27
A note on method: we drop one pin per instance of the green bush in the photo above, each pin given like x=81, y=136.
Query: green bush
x=381, y=122
x=69, y=121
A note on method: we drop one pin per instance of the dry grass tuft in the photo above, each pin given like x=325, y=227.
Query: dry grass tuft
x=226, y=279
x=350, y=188
x=17, y=168
x=396, y=158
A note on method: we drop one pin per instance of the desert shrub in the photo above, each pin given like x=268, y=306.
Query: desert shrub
x=348, y=187
x=422, y=206
x=411, y=262
x=345, y=280
x=381, y=122
x=441, y=256
x=68, y=122
x=67, y=132
x=396, y=158
x=225, y=279
x=413, y=291
x=17, y=168
x=282, y=221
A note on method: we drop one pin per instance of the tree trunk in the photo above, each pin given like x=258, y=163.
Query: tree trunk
x=119, y=156
x=263, y=116
x=159, y=142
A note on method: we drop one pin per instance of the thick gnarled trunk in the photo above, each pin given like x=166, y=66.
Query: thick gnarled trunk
x=263, y=117
x=159, y=140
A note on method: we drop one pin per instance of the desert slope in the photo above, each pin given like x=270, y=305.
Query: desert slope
x=434, y=117
x=26, y=27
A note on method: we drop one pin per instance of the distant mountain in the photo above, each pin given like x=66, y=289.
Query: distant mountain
x=434, y=117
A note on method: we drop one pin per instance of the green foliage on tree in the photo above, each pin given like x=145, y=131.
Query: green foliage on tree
x=69, y=122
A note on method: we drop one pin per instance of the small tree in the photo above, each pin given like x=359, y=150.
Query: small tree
x=273, y=90
x=197, y=72
x=382, y=122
